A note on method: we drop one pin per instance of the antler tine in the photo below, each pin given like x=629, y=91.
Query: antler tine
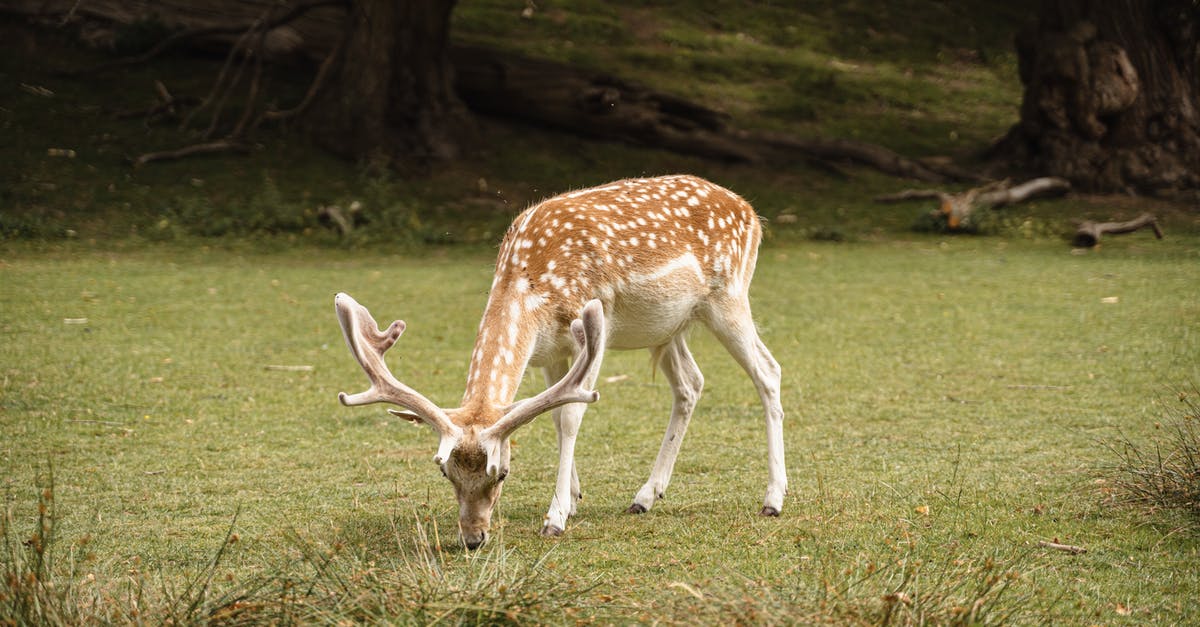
x=368, y=344
x=588, y=331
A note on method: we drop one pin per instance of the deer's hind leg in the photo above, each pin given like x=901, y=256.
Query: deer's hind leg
x=733, y=325
x=686, y=382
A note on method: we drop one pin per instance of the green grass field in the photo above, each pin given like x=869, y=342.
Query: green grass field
x=948, y=401
x=952, y=401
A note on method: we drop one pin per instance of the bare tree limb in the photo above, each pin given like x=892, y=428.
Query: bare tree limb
x=1020, y=193
x=956, y=209
x=1088, y=233
x=223, y=145
x=248, y=110
x=313, y=89
x=224, y=84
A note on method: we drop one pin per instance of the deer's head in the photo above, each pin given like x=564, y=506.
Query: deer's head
x=473, y=450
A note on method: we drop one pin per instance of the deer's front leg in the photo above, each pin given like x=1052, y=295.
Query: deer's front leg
x=566, y=488
x=576, y=492
x=567, y=421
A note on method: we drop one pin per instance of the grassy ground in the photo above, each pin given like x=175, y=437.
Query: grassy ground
x=948, y=403
x=950, y=400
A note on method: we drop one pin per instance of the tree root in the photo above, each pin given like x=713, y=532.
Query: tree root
x=249, y=48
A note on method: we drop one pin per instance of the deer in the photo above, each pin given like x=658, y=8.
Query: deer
x=631, y=264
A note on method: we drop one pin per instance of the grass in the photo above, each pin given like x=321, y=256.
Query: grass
x=946, y=398
x=951, y=401
x=1164, y=474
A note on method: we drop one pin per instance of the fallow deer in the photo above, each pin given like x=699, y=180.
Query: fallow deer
x=631, y=264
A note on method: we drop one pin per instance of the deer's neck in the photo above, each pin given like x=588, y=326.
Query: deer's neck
x=506, y=340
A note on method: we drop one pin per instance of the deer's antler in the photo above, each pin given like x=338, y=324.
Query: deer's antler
x=588, y=331
x=368, y=344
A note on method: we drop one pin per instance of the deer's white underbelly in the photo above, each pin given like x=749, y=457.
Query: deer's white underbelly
x=643, y=311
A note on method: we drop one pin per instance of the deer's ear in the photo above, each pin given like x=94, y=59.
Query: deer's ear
x=497, y=456
x=407, y=415
x=445, y=446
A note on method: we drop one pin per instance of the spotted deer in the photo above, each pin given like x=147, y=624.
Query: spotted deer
x=631, y=264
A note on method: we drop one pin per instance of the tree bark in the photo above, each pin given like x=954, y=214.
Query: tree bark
x=389, y=97
x=1112, y=95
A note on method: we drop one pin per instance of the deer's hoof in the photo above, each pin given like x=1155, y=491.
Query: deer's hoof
x=551, y=531
x=767, y=510
x=635, y=509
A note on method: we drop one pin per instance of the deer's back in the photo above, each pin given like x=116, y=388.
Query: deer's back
x=652, y=250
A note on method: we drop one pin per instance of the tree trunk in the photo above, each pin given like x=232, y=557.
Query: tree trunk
x=1112, y=95
x=389, y=98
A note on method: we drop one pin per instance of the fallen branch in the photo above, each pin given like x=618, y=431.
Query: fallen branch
x=1066, y=548
x=955, y=211
x=1088, y=233
x=1020, y=193
x=222, y=145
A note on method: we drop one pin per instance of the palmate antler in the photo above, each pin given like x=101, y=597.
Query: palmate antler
x=588, y=331
x=368, y=344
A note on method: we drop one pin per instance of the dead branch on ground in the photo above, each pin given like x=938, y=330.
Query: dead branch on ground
x=1088, y=233
x=223, y=145
x=956, y=209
